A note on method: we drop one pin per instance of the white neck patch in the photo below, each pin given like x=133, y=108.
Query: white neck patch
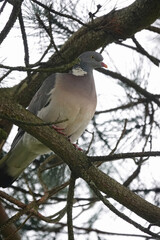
x=78, y=71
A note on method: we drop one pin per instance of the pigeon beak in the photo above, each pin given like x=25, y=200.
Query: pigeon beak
x=104, y=65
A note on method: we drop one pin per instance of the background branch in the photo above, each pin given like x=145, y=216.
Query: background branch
x=13, y=16
x=78, y=163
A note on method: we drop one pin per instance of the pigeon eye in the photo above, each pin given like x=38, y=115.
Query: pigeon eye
x=92, y=57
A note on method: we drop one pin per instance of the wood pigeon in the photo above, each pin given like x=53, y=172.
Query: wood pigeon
x=70, y=96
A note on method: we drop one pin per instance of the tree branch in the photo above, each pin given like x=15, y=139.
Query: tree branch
x=141, y=50
x=145, y=53
x=120, y=214
x=154, y=29
x=12, y=19
x=58, y=13
x=132, y=84
x=25, y=43
x=79, y=164
x=122, y=107
x=8, y=230
x=116, y=25
x=123, y=155
x=69, y=207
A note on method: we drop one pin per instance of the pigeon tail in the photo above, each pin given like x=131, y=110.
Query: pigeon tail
x=6, y=180
x=14, y=163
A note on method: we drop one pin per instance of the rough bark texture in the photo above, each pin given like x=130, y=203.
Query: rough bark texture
x=11, y=230
x=116, y=25
x=78, y=162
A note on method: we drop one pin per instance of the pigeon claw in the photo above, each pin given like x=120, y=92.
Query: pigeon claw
x=59, y=130
x=76, y=147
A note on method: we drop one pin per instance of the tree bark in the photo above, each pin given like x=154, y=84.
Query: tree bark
x=116, y=25
x=11, y=229
x=78, y=161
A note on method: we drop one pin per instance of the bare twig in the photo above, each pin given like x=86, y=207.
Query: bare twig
x=49, y=32
x=98, y=231
x=3, y=6
x=18, y=215
x=117, y=143
x=144, y=52
x=11, y=230
x=5, y=75
x=10, y=237
x=25, y=44
x=56, y=164
x=11, y=21
x=141, y=50
x=132, y=84
x=92, y=15
x=123, y=155
x=133, y=176
x=39, y=173
x=32, y=207
x=91, y=141
x=146, y=191
x=120, y=138
x=39, y=62
x=69, y=207
x=12, y=199
x=120, y=214
x=58, y=13
x=25, y=176
x=61, y=68
x=122, y=107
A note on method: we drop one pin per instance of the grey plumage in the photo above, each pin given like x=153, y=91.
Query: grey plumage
x=70, y=96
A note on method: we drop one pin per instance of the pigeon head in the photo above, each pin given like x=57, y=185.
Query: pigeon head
x=87, y=62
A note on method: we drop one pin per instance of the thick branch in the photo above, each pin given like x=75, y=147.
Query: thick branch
x=114, y=26
x=79, y=163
